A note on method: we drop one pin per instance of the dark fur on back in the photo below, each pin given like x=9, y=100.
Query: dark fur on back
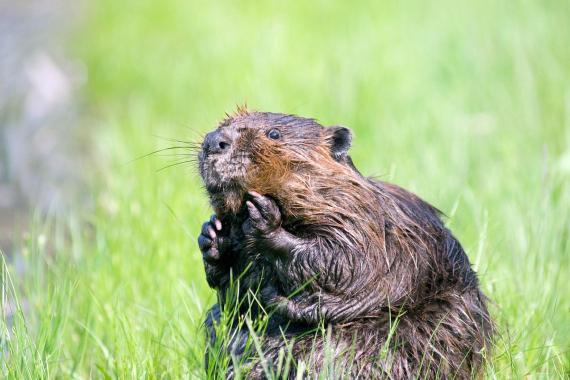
x=364, y=252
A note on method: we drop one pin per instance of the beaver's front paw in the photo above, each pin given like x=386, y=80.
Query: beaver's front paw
x=264, y=216
x=214, y=247
x=209, y=242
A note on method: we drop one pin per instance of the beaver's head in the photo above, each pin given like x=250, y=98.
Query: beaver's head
x=263, y=151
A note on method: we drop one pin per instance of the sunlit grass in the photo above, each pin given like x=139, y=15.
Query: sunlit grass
x=468, y=105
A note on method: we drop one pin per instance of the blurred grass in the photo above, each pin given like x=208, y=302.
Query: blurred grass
x=467, y=104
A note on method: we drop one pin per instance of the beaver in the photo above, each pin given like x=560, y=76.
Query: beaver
x=316, y=244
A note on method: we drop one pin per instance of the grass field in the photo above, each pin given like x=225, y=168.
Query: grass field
x=465, y=103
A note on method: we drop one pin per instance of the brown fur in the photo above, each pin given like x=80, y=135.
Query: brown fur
x=372, y=249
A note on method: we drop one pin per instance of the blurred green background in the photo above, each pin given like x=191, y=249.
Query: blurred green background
x=465, y=103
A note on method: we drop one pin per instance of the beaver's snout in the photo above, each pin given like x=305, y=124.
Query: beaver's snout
x=223, y=163
x=216, y=142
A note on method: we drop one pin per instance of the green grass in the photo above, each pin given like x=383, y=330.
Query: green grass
x=465, y=103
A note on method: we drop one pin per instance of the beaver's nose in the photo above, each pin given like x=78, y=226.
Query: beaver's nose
x=216, y=142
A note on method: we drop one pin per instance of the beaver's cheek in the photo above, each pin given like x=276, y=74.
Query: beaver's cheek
x=250, y=177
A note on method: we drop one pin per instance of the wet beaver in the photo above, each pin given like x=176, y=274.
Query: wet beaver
x=322, y=245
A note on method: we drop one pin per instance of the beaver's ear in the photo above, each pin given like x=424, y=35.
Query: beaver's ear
x=340, y=138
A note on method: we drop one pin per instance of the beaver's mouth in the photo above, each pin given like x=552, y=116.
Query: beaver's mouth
x=219, y=188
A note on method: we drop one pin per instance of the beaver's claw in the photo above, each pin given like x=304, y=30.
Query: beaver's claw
x=209, y=241
x=264, y=215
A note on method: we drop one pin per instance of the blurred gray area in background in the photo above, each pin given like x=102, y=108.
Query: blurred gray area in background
x=42, y=148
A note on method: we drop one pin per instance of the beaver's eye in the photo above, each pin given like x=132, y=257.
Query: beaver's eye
x=274, y=134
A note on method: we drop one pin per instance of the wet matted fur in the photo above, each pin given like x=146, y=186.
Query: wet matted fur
x=322, y=245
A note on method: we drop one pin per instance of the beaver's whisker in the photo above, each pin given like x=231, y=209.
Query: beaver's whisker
x=175, y=140
x=174, y=164
x=155, y=152
x=189, y=155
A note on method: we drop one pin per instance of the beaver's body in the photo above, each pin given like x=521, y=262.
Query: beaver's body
x=368, y=260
